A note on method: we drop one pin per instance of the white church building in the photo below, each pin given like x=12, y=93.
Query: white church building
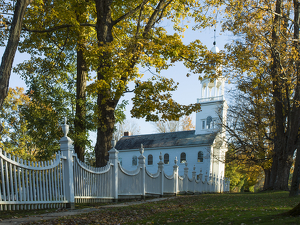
x=203, y=148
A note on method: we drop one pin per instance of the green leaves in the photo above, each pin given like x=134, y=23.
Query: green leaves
x=153, y=101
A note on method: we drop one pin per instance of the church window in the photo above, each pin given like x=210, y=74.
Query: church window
x=208, y=121
x=200, y=156
x=150, y=159
x=166, y=158
x=134, y=160
x=182, y=157
x=203, y=125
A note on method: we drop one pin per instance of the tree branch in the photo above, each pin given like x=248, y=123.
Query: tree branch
x=57, y=28
x=129, y=13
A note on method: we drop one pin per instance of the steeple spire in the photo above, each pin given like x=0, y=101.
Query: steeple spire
x=215, y=43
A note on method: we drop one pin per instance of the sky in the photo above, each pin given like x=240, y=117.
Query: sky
x=189, y=87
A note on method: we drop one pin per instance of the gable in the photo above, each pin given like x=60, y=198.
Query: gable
x=172, y=139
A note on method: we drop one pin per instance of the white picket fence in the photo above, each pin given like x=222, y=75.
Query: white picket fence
x=65, y=180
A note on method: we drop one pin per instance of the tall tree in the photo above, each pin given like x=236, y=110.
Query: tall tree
x=268, y=43
x=148, y=44
x=12, y=43
x=250, y=126
x=60, y=37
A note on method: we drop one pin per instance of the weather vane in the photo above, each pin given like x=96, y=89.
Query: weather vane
x=215, y=30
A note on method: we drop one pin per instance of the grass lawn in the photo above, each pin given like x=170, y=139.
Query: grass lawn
x=244, y=208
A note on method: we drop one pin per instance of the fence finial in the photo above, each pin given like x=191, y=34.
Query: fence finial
x=176, y=160
x=113, y=142
x=65, y=127
x=160, y=156
x=142, y=149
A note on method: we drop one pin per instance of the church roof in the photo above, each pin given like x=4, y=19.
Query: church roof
x=172, y=139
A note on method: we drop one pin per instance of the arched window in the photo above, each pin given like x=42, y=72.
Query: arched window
x=150, y=159
x=166, y=158
x=208, y=122
x=134, y=160
x=200, y=156
x=182, y=157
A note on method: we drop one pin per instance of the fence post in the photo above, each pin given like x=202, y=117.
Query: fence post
x=194, y=178
x=175, y=172
x=66, y=149
x=143, y=167
x=200, y=175
x=186, y=177
x=218, y=184
x=210, y=182
x=214, y=183
x=200, y=182
x=113, y=158
x=161, y=168
x=228, y=184
x=194, y=173
x=221, y=184
x=206, y=182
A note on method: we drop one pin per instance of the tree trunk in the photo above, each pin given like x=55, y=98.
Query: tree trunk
x=296, y=177
x=11, y=47
x=267, y=178
x=105, y=104
x=283, y=173
x=282, y=143
x=105, y=131
x=273, y=174
x=80, y=117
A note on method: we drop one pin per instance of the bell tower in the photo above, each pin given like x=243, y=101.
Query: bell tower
x=213, y=103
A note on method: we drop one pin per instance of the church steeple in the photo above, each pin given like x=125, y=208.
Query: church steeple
x=212, y=102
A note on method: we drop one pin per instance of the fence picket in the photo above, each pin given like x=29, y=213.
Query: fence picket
x=2, y=180
x=19, y=179
x=33, y=182
x=15, y=181
x=7, y=182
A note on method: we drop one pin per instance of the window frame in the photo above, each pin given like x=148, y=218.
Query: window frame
x=199, y=158
x=165, y=158
x=181, y=157
x=150, y=157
